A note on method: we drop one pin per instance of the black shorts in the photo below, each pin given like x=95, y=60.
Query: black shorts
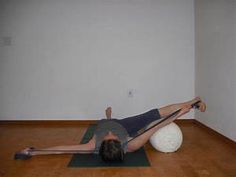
x=135, y=123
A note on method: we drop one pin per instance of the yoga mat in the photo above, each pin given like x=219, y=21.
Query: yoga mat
x=134, y=159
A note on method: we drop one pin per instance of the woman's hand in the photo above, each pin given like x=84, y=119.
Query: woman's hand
x=27, y=151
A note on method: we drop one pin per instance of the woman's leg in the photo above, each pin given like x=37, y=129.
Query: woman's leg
x=165, y=111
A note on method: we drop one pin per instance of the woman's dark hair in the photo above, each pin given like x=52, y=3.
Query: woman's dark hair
x=111, y=150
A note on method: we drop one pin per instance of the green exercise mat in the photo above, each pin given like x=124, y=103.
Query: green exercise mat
x=134, y=159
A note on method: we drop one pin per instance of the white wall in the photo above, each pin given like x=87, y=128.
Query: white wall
x=216, y=63
x=69, y=59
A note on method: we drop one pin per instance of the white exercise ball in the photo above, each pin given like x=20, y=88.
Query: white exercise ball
x=167, y=139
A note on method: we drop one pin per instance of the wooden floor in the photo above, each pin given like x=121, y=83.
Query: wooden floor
x=202, y=154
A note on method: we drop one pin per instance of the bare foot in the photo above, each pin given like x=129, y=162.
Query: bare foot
x=108, y=112
x=201, y=104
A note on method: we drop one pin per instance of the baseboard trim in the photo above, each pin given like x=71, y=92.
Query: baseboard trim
x=215, y=133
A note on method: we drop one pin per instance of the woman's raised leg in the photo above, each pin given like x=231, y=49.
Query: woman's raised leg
x=165, y=111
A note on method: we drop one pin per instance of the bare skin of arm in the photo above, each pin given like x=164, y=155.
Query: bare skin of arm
x=65, y=149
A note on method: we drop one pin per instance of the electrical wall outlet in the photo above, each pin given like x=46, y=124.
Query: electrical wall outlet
x=130, y=93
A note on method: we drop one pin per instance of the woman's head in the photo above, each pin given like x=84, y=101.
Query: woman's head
x=111, y=150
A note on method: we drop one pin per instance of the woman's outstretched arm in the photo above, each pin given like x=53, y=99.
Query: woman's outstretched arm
x=64, y=149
